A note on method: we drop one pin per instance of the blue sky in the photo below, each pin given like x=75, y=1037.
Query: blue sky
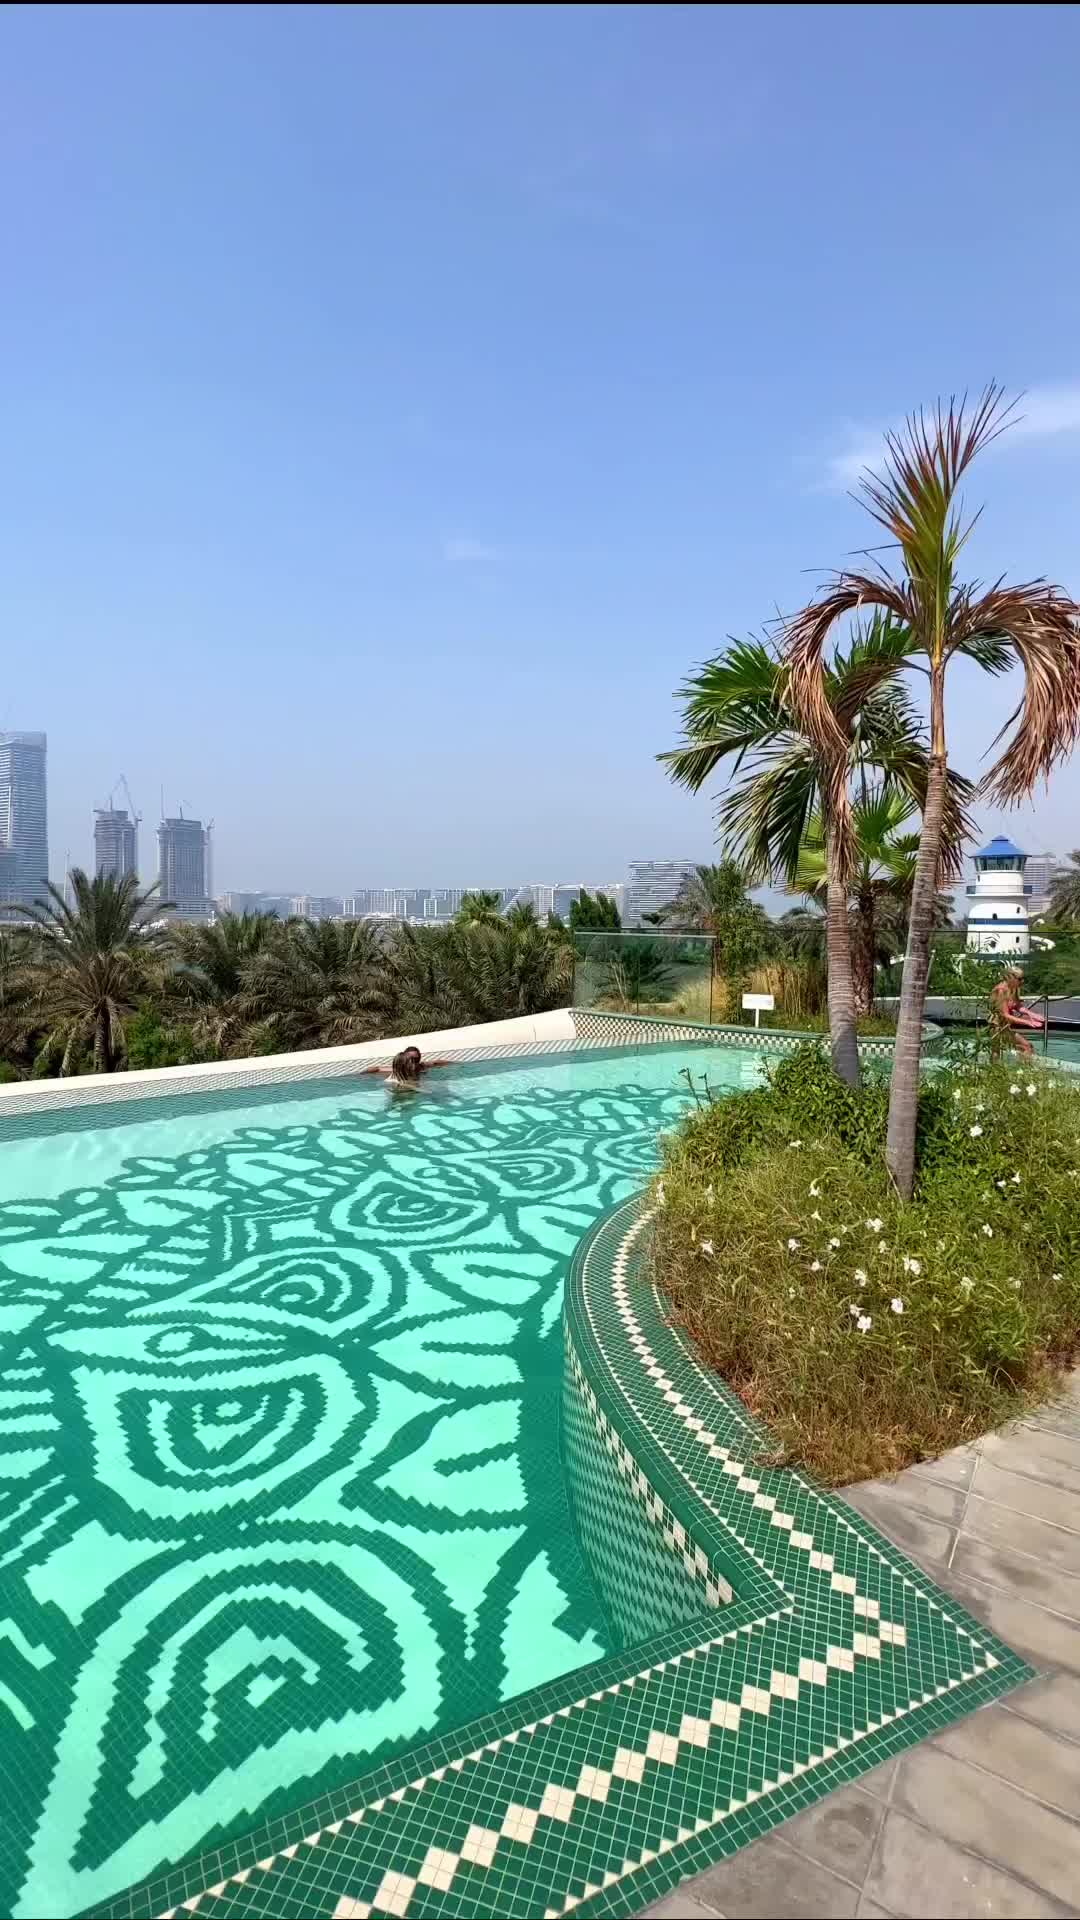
x=397, y=402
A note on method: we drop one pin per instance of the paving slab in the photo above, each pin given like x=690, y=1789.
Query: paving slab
x=916, y=1872
x=1053, y=1544
x=773, y=1881
x=984, y=1817
x=1040, y=1498
x=1039, y=1762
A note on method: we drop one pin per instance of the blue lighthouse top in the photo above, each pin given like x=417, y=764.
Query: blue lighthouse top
x=1001, y=849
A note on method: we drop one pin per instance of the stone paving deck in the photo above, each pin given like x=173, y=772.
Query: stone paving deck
x=984, y=1817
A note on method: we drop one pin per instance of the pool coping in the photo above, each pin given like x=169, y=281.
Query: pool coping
x=600, y=1791
x=560, y=1031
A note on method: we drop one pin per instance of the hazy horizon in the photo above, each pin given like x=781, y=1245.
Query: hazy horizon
x=399, y=402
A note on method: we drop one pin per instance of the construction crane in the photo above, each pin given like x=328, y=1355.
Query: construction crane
x=121, y=782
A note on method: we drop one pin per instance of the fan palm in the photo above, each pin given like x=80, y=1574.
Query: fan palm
x=479, y=908
x=317, y=983
x=1065, y=890
x=95, y=959
x=739, y=708
x=916, y=499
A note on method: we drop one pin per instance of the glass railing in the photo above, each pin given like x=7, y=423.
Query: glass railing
x=667, y=974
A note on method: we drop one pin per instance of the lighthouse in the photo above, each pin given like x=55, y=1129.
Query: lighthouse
x=998, y=915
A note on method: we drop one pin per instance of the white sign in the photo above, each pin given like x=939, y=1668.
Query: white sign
x=760, y=1002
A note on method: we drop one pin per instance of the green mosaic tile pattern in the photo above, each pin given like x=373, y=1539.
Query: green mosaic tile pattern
x=650, y=1569
x=280, y=1485
x=604, y=1029
x=596, y=1794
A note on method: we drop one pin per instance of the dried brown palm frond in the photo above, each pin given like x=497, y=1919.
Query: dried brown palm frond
x=1041, y=626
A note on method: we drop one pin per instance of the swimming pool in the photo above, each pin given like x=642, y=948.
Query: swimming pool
x=280, y=1486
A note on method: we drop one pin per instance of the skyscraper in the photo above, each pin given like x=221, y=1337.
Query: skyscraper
x=182, y=862
x=654, y=884
x=116, y=846
x=24, y=833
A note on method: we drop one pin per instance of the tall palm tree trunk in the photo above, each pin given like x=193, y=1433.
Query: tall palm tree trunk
x=904, y=1091
x=864, y=944
x=102, y=1042
x=842, y=1034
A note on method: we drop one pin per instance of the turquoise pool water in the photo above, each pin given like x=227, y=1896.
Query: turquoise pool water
x=280, y=1488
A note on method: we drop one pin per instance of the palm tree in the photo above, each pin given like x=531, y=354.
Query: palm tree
x=210, y=969
x=916, y=499
x=881, y=881
x=17, y=992
x=1065, y=890
x=715, y=900
x=458, y=975
x=95, y=960
x=316, y=983
x=738, y=707
x=479, y=908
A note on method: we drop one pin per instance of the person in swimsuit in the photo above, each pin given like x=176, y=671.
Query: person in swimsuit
x=1008, y=1015
x=406, y=1067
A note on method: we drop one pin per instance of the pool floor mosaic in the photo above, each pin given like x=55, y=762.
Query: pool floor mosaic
x=280, y=1486
x=597, y=1793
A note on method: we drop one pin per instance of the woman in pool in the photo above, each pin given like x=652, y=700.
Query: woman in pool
x=1008, y=1015
x=406, y=1067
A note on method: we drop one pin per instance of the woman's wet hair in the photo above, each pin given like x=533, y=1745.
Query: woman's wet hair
x=406, y=1064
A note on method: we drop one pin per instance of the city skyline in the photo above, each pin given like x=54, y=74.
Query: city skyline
x=397, y=571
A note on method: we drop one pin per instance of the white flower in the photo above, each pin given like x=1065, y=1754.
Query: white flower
x=834, y=1242
x=1015, y=1181
x=989, y=1231
x=912, y=1266
x=1055, y=1276
x=793, y=1246
x=896, y=1305
x=956, y=1095
x=815, y=1215
x=875, y=1226
x=1032, y=1089
x=815, y=1266
x=707, y=1248
x=980, y=1106
x=794, y=1143
x=883, y=1246
x=791, y=1293
x=966, y=1284
x=854, y=1310
x=814, y=1189
x=1015, y=1284
x=864, y=1323
x=1014, y=1088
x=1001, y=1184
x=860, y=1275
x=975, y=1131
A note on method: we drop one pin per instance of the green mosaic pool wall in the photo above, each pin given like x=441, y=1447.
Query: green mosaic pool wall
x=604, y=1029
x=598, y=1793
x=648, y=1566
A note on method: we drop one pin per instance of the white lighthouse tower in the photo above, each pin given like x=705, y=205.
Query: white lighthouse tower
x=998, y=915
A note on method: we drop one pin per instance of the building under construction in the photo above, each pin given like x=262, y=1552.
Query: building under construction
x=184, y=867
x=116, y=842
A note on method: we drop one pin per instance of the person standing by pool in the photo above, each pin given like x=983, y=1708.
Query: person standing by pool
x=1008, y=1015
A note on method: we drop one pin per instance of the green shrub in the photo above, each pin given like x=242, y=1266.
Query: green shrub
x=869, y=1333
x=8, y=1073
